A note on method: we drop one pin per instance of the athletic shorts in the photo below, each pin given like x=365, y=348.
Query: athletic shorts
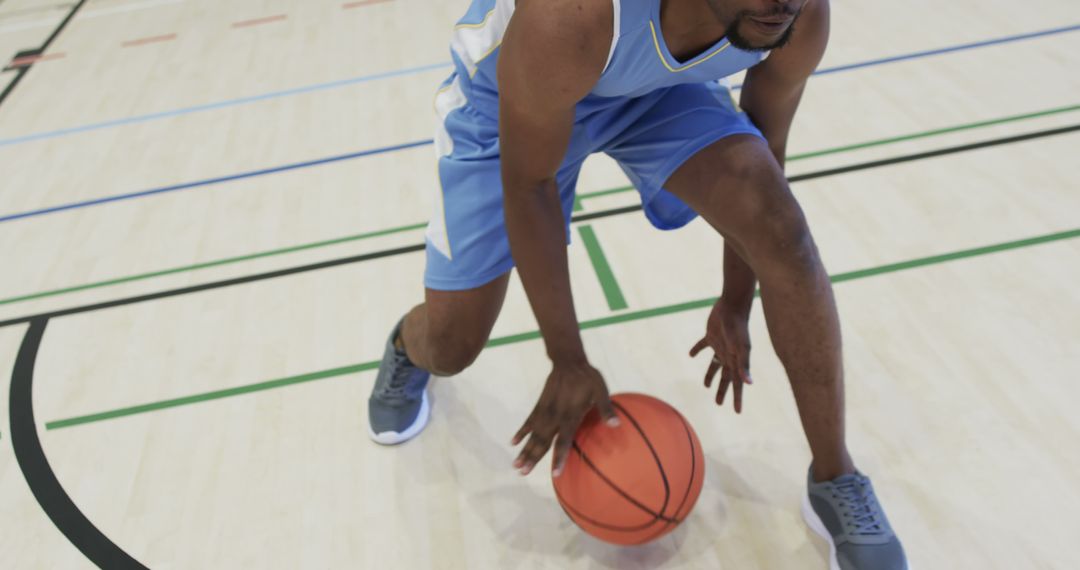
x=649, y=137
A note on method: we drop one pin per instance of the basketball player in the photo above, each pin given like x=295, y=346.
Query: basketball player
x=538, y=86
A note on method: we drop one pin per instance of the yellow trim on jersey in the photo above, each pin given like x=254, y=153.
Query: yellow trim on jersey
x=480, y=25
x=444, y=89
x=656, y=42
x=476, y=65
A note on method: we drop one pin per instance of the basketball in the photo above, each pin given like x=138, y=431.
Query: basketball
x=634, y=483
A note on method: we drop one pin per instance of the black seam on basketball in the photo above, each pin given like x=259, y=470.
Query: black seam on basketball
x=656, y=458
x=575, y=514
x=652, y=450
x=690, y=485
x=693, y=465
x=615, y=487
x=620, y=491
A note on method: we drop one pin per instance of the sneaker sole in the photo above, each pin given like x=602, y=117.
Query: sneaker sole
x=814, y=522
x=393, y=437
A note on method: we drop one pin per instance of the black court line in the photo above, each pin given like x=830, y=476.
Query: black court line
x=39, y=474
x=23, y=70
x=580, y=218
x=220, y=284
x=877, y=164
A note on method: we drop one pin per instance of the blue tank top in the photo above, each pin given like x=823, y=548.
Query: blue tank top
x=638, y=63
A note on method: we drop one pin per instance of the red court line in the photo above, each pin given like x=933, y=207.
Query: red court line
x=150, y=40
x=24, y=61
x=258, y=21
x=349, y=5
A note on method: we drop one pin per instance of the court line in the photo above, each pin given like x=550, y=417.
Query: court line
x=216, y=263
x=127, y=7
x=87, y=14
x=577, y=203
x=260, y=21
x=612, y=292
x=575, y=219
x=444, y=65
x=28, y=60
x=22, y=71
x=871, y=144
x=219, y=105
x=149, y=40
x=219, y=284
x=961, y=47
x=871, y=164
x=362, y=3
x=33, y=463
x=208, y=182
x=535, y=335
x=7, y=14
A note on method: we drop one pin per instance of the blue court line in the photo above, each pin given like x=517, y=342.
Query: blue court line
x=423, y=68
x=210, y=181
x=220, y=104
x=961, y=47
x=403, y=146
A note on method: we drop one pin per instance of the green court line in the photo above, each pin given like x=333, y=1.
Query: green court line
x=533, y=335
x=612, y=292
x=869, y=144
x=577, y=207
x=216, y=263
x=215, y=395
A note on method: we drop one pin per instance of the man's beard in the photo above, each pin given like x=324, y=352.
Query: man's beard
x=741, y=42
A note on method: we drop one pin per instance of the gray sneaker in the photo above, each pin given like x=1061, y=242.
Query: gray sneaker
x=846, y=513
x=398, y=406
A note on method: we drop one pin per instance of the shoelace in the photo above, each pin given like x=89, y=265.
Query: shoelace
x=399, y=380
x=860, y=508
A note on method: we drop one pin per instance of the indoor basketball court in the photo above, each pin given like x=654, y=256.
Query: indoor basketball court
x=213, y=213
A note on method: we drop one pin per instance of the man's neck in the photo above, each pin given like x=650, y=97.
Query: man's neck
x=689, y=27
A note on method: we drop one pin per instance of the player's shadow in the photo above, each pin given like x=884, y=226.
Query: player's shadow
x=527, y=517
x=722, y=476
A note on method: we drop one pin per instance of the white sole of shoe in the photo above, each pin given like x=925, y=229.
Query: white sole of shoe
x=814, y=522
x=393, y=437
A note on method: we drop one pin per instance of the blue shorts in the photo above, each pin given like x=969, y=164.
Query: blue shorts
x=649, y=137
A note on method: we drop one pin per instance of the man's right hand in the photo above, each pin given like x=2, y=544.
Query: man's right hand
x=572, y=389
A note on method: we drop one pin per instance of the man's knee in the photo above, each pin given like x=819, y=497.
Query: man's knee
x=761, y=214
x=451, y=350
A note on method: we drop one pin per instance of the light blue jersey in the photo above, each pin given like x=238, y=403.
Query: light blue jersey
x=648, y=111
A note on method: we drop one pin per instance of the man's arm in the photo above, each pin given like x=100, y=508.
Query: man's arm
x=552, y=54
x=771, y=95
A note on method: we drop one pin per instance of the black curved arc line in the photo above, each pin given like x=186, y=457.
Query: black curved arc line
x=39, y=474
x=578, y=218
x=23, y=70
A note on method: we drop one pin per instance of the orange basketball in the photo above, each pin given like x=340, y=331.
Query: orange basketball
x=634, y=483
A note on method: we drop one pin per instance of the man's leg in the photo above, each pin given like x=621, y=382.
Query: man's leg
x=738, y=187
x=446, y=332
x=443, y=335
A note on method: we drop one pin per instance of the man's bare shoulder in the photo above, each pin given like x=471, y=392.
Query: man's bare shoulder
x=560, y=24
